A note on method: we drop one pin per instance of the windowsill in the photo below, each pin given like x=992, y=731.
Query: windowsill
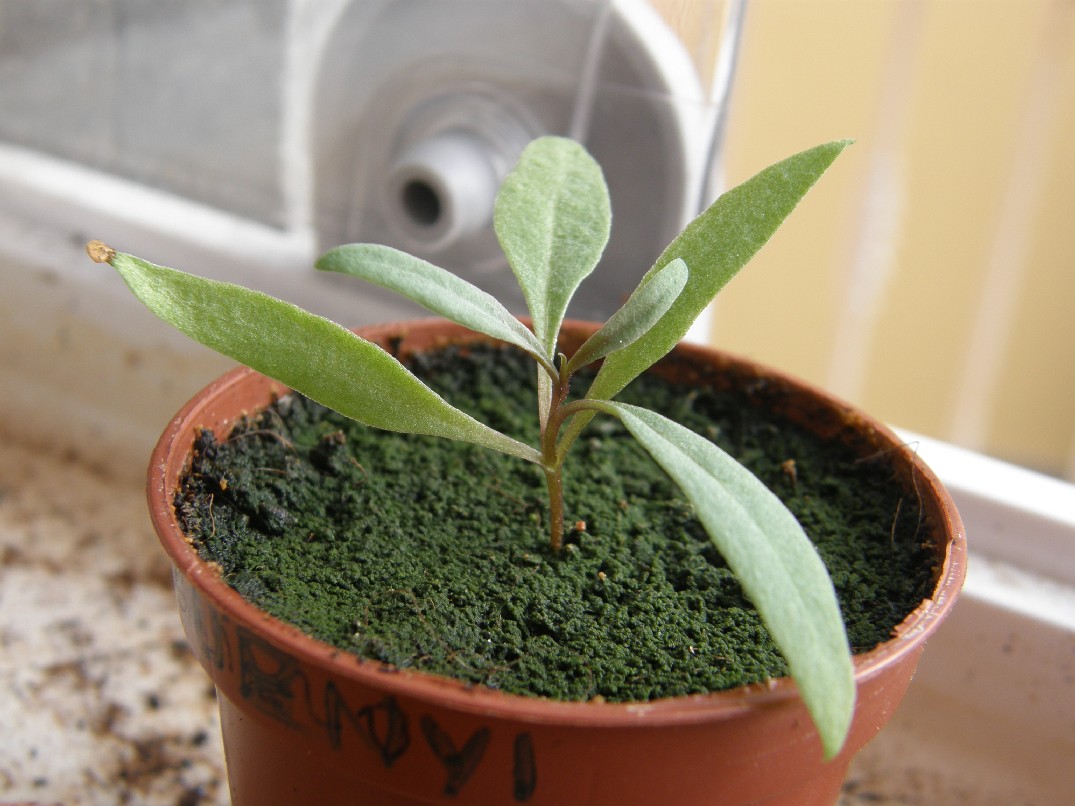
x=98, y=691
x=96, y=675
x=990, y=716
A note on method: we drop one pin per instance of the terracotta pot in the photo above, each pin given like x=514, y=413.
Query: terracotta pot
x=304, y=722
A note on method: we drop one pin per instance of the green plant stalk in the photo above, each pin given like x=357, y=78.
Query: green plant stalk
x=551, y=462
x=552, y=455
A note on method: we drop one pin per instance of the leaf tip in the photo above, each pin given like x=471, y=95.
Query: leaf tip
x=100, y=252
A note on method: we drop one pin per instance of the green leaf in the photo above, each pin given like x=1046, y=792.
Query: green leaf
x=311, y=354
x=645, y=306
x=552, y=217
x=716, y=245
x=772, y=558
x=436, y=289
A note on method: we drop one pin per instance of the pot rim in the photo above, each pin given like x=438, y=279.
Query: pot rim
x=908, y=636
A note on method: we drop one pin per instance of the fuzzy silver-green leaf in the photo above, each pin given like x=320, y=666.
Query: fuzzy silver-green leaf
x=715, y=246
x=309, y=353
x=435, y=289
x=770, y=555
x=552, y=217
x=647, y=304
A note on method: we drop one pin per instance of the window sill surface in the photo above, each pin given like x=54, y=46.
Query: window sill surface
x=100, y=694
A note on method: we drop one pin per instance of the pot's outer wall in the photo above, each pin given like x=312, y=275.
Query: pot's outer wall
x=305, y=722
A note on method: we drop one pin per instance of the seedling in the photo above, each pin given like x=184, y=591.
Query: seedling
x=552, y=217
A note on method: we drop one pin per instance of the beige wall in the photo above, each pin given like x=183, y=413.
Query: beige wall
x=930, y=276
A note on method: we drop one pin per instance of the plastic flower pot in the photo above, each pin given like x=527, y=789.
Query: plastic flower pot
x=305, y=722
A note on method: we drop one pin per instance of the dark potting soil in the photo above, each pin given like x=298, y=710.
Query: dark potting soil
x=431, y=554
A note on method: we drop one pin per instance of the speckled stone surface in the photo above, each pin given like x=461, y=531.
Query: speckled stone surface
x=101, y=702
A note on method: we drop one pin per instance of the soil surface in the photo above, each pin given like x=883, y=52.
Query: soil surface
x=432, y=554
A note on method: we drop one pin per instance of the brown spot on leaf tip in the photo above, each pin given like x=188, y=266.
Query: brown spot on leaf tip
x=100, y=252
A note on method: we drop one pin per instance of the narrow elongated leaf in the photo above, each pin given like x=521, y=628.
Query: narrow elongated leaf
x=771, y=557
x=552, y=217
x=436, y=289
x=643, y=308
x=317, y=357
x=746, y=217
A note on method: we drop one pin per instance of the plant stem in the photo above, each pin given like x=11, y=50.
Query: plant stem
x=554, y=479
x=554, y=476
x=553, y=454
